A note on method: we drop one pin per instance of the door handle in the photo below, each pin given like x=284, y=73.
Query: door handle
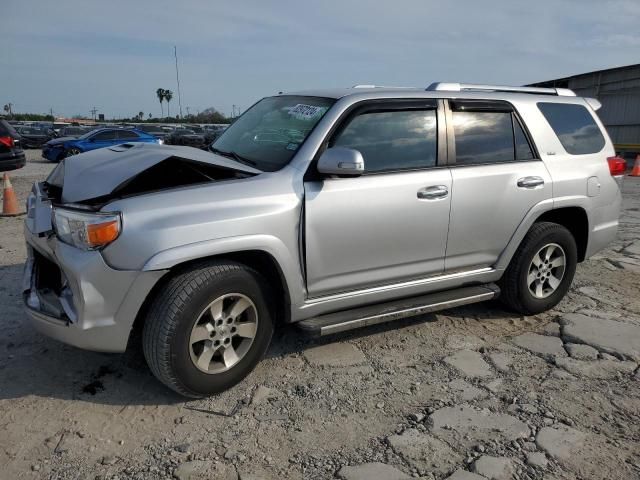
x=433, y=193
x=530, y=182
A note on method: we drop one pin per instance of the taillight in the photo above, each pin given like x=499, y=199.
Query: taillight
x=617, y=166
x=6, y=141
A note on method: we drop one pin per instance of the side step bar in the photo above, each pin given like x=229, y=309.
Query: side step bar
x=386, y=312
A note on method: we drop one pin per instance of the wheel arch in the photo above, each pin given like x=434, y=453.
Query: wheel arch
x=573, y=217
x=260, y=260
x=575, y=220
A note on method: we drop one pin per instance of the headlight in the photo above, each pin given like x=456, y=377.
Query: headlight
x=161, y=141
x=84, y=230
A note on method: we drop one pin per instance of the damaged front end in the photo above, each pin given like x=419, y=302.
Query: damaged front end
x=70, y=291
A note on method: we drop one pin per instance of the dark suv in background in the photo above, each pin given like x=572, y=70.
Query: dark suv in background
x=11, y=153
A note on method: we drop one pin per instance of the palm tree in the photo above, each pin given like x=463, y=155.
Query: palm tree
x=161, y=92
x=168, y=95
x=140, y=115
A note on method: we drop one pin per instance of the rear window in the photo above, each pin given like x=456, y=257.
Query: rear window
x=574, y=126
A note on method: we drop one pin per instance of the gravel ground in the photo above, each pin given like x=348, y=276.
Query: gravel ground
x=469, y=393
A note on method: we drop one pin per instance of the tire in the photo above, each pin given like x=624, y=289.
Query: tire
x=72, y=151
x=179, y=308
x=516, y=291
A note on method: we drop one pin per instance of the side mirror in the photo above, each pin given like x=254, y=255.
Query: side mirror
x=341, y=161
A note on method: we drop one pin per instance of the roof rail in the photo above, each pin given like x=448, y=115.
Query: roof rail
x=377, y=86
x=460, y=87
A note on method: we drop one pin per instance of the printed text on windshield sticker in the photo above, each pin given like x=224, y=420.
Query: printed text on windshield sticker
x=306, y=112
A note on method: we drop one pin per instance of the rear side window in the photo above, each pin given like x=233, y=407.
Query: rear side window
x=127, y=134
x=489, y=137
x=574, y=126
x=108, y=135
x=392, y=140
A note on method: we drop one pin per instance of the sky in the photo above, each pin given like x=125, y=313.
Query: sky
x=73, y=55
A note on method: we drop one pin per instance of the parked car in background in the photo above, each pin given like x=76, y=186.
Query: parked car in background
x=59, y=125
x=34, y=137
x=56, y=150
x=184, y=136
x=154, y=130
x=73, y=132
x=211, y=134
x=11, y=153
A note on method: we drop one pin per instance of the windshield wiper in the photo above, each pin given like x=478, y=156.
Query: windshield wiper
x=235, y=156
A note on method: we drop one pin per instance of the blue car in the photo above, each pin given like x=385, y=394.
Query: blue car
x=59, y=148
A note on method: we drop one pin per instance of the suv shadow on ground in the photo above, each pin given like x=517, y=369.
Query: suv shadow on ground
x=32, y=364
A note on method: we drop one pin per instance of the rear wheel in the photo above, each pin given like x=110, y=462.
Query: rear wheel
x=541, y=271
x=208, y=328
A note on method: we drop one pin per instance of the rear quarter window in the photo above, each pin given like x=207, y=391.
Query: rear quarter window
x=574, y=126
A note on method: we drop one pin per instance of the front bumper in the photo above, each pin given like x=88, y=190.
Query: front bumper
x=73, y=296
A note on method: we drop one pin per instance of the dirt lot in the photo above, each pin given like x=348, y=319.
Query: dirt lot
x=475, y=389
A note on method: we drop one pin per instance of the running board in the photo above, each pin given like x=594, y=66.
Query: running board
x=388, y=311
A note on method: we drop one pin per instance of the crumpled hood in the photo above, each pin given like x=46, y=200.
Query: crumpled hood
x=100, y=172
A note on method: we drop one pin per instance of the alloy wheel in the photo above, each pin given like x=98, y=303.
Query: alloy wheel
x=223, y=333
x=546, y=270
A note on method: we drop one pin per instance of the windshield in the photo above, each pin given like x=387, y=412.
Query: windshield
x=269, y=133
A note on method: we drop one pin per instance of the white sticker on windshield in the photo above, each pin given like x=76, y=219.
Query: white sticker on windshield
x=306, y=112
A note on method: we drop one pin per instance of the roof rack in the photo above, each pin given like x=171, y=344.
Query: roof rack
x=377, y=86
x=460, y=87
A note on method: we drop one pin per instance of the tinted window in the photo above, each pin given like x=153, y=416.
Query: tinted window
x=124, y=134
x=523, y=149
x=483, y=137
x=103, y=136
x=393, y=140
x=574, y=126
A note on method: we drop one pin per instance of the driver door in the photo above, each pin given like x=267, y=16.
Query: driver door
x=391, y=223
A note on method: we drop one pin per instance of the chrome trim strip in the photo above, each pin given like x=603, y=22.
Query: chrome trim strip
x=408, y=312
x=395, y=286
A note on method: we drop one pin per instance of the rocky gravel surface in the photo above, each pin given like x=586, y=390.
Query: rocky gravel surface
x=472, y=393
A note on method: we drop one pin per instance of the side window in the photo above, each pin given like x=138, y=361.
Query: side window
x=127, y=134
x=392, y=140
x=483, y=137
x=489, y=137
x=104, y=136
x=574, y=126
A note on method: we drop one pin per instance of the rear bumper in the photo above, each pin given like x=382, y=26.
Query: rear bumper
x=12, y=161
x=73, y=296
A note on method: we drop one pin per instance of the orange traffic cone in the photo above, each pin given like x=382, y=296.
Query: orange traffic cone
x=636, y=168
x=9, y=199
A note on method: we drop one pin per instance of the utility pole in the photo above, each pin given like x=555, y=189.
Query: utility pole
x=93, y=111
x=187, y=111
x=51, y=112
x=233, y=111
x=175, y=52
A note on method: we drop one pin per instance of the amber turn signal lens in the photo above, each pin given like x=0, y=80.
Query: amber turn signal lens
x=102, y=233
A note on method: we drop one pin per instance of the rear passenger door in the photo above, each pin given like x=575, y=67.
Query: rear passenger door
x=497, y=177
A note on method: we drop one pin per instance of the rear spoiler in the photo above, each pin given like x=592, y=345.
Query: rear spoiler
x=593, y=103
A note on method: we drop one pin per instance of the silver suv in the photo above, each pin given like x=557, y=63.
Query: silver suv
x=333, y=209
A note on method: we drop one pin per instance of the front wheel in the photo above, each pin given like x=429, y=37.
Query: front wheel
x=541, y=271
x=72, y=151
x=208, y=328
